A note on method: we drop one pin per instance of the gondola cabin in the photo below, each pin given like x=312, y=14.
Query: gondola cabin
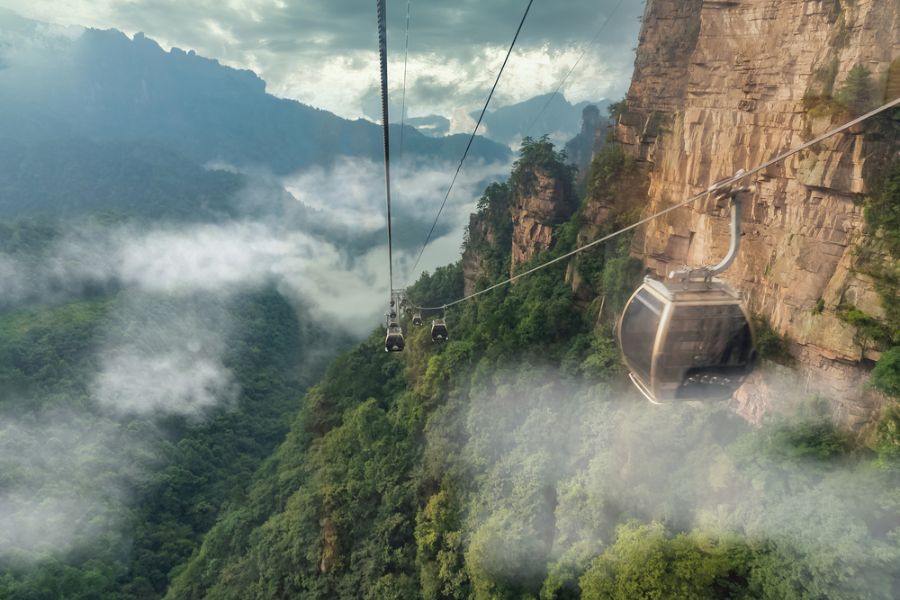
x=439, y=331
x=686, y=340
x=394, y=342
x=417, y=319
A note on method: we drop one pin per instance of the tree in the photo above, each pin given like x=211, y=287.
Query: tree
x=856, y=93
x=886, y=374
x=645, y=562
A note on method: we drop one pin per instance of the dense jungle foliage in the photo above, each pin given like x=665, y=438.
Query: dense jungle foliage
x=516, y=462
x=134, y=493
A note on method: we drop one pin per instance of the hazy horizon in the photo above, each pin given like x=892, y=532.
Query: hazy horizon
x=448, y=74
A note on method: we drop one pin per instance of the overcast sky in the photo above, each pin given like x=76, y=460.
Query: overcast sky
x=323, y=52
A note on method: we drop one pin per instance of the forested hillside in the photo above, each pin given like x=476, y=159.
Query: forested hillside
x=76, y=177
x=108, y=484
x=517, y=462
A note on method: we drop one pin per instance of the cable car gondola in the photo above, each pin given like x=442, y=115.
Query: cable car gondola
x=686, y=343
x=439, y=331
x=689, y=338
x=394, y=342
x=417, y=319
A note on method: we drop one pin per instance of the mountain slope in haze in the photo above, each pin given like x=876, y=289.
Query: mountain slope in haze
x=509, y=124
x=75, y=177
x=67, y=82
x=560, y=119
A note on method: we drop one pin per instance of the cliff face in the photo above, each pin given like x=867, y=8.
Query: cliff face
x=481, y=232
x=536, y=211
x=517, y=220
x=592, y=137
x=720, y=86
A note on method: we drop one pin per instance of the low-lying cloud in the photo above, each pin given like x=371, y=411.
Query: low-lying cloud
x=163, y=348
x=571, y=462
x=65, y=478
x=163, y=355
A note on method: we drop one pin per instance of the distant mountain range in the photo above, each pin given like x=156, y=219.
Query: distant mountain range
x=94, y=121
x=60, y=83
x=561, y=120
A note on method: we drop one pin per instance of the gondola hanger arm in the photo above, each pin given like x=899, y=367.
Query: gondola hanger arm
x=725, y=194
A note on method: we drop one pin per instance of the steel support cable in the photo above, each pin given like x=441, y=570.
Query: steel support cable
x=724, y=183
x=405, y=60
x=574, y=66
x=471, y=138
x=382, y=51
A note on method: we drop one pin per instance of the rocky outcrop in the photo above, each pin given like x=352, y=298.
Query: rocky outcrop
x=537, y=209
x=481, y=233
x=517, y=220
x=719, y=86
x=580, y=149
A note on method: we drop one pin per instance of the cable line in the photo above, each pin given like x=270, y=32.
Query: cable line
x=720, y=184
x=472, y=137
x=583, y=53
x=405, y=59
x=382, y=51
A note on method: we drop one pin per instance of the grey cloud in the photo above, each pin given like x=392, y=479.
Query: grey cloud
x=429, y=90
x=323, y=52
x=326, y=26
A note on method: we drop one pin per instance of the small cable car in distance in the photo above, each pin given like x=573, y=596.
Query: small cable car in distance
x=394, y=342
x=439, y=331
x=417, y=318
x=689, y=338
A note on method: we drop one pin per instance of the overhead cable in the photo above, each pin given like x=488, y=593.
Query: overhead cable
x=405, y=60
x=382, y=51
x=471, y=138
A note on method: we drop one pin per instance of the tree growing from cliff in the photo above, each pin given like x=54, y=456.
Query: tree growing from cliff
x=857, y=93
x=886, y=374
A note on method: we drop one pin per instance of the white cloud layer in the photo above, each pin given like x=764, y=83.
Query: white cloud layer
x=163, y=349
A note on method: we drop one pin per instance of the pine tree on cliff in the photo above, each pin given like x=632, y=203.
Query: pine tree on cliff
x=856, y=92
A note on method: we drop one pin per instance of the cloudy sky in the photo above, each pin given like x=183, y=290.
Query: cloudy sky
x=322, y=52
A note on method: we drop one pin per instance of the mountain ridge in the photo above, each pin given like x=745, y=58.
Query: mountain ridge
x=108, y=86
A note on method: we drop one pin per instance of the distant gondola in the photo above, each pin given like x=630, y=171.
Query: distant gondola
x=394, y=342
x=439, y=331
x=417, y=319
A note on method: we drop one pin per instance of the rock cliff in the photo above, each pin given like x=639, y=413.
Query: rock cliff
x=488, y=238
x=724, y=85
x=580, y=149
x=481, y=233
x=537, y=209
x=518, y=219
